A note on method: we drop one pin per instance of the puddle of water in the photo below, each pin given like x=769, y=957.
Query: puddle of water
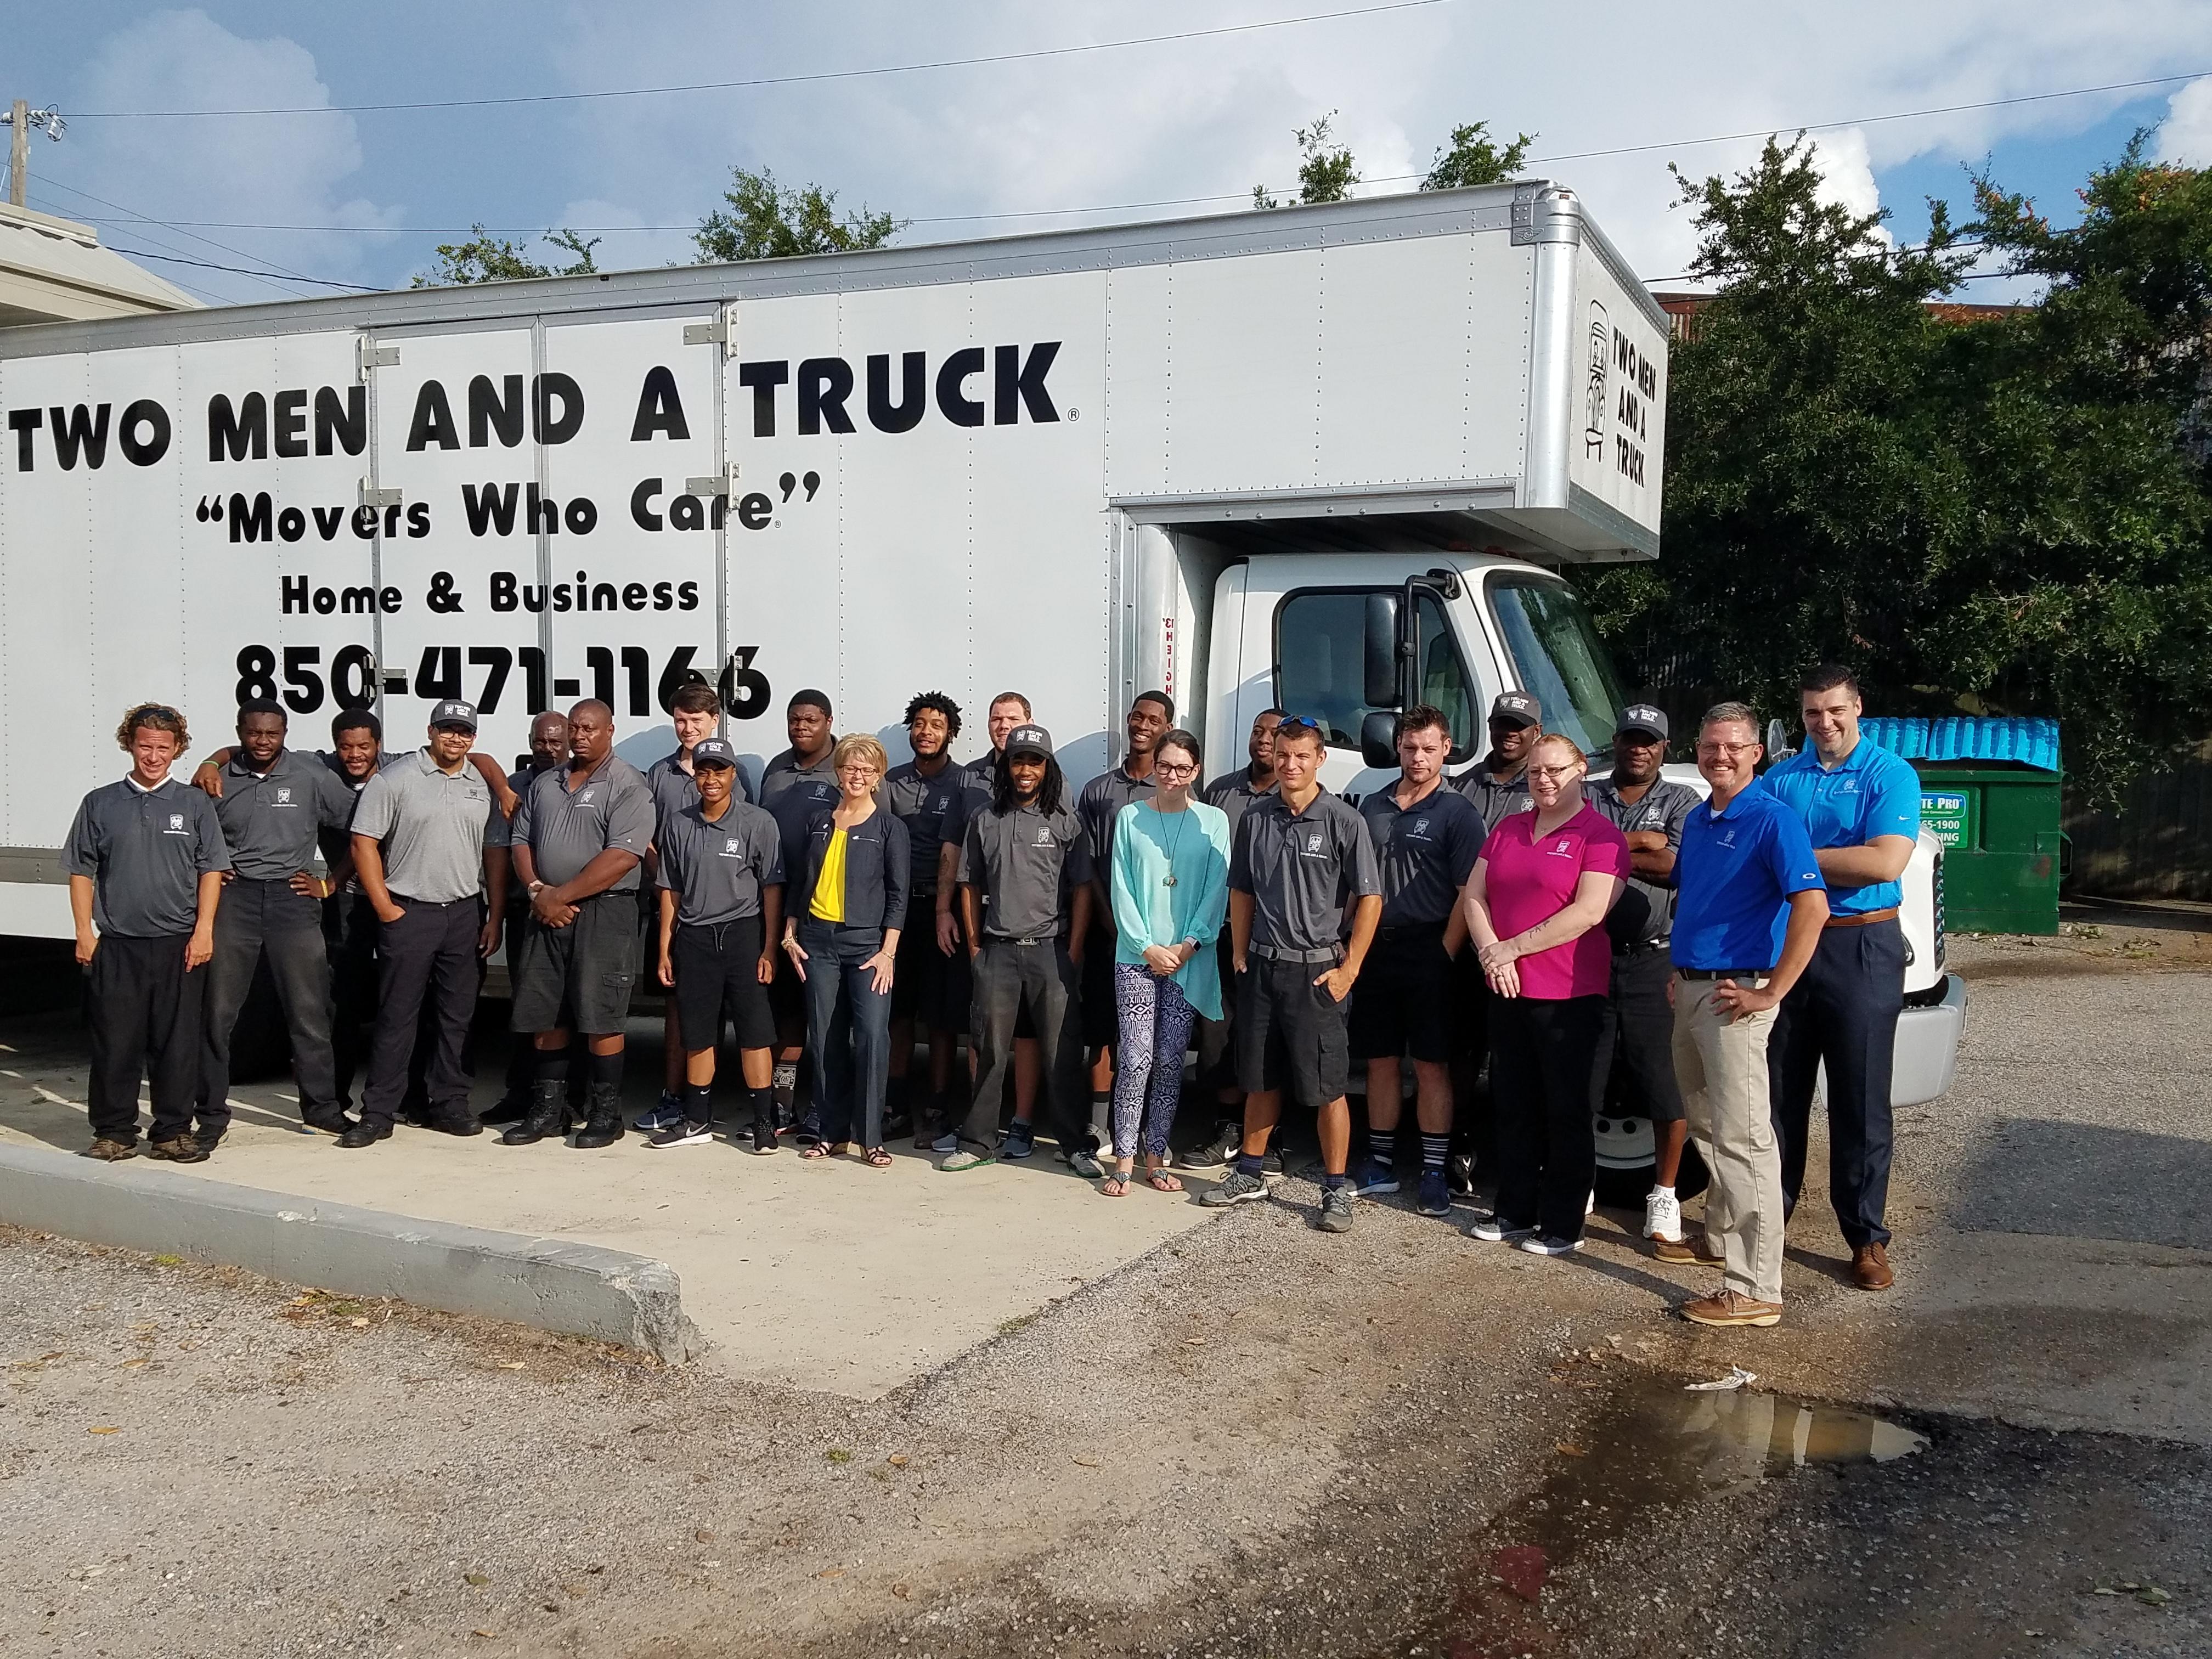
x=1654, y=1447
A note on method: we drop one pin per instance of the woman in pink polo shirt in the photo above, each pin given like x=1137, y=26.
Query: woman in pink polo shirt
x=1535, y=908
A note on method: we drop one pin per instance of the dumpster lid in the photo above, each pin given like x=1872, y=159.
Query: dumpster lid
x=2023, y=739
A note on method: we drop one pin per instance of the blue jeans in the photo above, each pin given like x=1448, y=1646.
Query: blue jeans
x=848, y=1029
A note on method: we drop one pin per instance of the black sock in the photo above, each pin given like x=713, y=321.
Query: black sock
x=1435, y=1149
x=1329, y=1183
x=699, y=1102
x=607, y=1069
x=552, y=1064
x=1382, y=1146
x=763, y=1105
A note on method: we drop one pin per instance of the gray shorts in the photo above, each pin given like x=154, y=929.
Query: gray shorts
x=579, y=977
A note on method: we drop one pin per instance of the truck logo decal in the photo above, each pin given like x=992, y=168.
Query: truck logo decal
x=821, y=386
x=1600, y=358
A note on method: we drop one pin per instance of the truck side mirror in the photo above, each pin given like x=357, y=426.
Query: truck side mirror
x=1381, y=651
x=1378, y=738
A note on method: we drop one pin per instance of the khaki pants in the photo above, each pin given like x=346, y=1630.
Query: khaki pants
x=1721, y=1064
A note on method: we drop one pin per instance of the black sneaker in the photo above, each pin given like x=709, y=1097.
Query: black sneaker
x=1020, y=1141
x=1272, y=1165
x=763, y=1137
x=1235, y=1188
x=458, y=1122
x=364, y=1133
x=509, y=1108
x=1494, y=1228
x=682, y=1134
x=1217, y=1150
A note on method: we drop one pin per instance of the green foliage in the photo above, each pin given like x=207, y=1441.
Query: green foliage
x=1324, y=174
x=1474, y=158
x=2001, y=514
x=488, y=258
x=764, y=220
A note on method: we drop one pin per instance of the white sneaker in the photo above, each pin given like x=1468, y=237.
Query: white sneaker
x=1662, y=1216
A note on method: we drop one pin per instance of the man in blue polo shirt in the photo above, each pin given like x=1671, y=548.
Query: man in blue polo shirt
x=1748, y=906
x=1861, y=805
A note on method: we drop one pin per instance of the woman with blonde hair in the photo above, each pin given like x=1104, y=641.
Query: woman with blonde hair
x=840, y=931
x=1535, y=908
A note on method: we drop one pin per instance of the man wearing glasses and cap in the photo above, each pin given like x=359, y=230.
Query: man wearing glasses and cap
x=430, y=850
x=1637, y=1036
x=1298, y=854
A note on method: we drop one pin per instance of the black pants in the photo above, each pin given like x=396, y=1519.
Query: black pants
x=847, y=1030
x=1637, y=1039
x=146, y=1013
x=521, y=1055
x=1010, y=979
x=427, y=956
x=1543, y=1055
x=350, y=933
x=1843, y=1011
x=257, y=919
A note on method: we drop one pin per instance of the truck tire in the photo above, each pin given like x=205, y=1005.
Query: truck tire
x=1625, y=1155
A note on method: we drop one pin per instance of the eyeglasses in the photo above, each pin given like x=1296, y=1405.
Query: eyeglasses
x=1175, y=769
x=1549, y=773
x=1714, y=750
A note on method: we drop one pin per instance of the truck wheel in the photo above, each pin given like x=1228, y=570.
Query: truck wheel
x=1624, y=1154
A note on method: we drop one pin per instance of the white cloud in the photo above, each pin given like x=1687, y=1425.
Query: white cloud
x=2185, y=134
x=1847, y=174
x=283, y=170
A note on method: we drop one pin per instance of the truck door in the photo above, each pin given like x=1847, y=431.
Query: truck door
x=550, y=521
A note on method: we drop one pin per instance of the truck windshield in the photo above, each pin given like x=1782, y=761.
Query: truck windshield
x=1559, y=657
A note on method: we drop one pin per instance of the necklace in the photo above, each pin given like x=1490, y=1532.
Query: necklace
x=1169, y=880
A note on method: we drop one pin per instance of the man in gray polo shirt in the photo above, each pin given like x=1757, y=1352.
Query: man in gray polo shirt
x=428, y=847
x=145, y=857
x=273, y=803
x=579, y=837
x=1298, y=855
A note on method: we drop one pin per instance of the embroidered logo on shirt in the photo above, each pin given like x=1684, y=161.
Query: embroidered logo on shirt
x=283, y=798
x=584, y=797
x=730, y=847
x=1044, y=834
x=1562, y=846
x=1313, y=842
x=176, y=823
x=1420, y=829
x=1728, y=838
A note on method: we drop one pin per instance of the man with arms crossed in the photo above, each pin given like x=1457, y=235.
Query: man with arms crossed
x=720, y=890
x=579, y=837
x=145, y=859
x=1638, y=1034
x=1008, y=710
x=1297, y=855
x=549, y=748
x=1427, y=836
x=274, y=801
x=428, y=844
x=1749, y=906
x=1861, y=805
x=794, y=785
x=930, y=795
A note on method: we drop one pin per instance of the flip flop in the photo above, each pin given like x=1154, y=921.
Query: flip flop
x=1157, y=1177
x=1115, y=1184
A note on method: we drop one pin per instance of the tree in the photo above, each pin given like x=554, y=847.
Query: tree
x=764, y=220
x=488, y=258
x=1997, y=513
x=1325, y=174
x=1475, y=158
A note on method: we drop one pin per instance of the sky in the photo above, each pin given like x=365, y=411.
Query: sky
x=1043, y=142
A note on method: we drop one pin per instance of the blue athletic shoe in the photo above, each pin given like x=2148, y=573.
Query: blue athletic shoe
x=1374, y=1177
x=666, y=1115
x=1020, y=1141
x=1435, y=1197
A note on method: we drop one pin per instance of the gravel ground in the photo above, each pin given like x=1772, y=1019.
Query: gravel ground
x=1251, y=1441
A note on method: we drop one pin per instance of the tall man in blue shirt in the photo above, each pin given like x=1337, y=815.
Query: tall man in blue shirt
x=1748, y=906
x=1861, y=805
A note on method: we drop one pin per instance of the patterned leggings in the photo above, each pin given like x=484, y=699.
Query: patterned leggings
x=1156, y=1021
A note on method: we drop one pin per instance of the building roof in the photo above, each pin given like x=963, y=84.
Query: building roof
x=55, y=270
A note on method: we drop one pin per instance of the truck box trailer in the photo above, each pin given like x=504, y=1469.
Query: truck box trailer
x=1329, y=457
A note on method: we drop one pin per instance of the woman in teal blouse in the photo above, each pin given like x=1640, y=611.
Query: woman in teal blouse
x=1170, y=891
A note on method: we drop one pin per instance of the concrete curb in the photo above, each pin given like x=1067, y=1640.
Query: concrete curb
x=580, y=1289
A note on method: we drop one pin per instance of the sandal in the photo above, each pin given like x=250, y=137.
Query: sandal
x=819, y=1149
x=878, y=1158
x=1116, y=1183
x=1157, y=1177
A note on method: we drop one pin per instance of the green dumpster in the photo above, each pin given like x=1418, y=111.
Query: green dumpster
x=1990, y=794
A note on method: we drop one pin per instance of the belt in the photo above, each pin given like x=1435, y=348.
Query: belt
x=1641, y=947
x=1724, y=973
x=1329, y=954
x=1864, y=919
x=1024, y=944
x=405, y=903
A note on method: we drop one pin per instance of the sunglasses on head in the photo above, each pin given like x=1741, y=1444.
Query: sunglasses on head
x=1299, y=723
x=161, y=710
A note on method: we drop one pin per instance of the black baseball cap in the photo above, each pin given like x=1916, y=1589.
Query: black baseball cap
x=454, y=712
x=1644, y=718
x=1517, y=707
x=1028, y=740
x=713, y=752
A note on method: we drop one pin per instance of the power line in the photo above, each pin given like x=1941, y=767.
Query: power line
x=770, y=80
x=178, y=259
x=142, y=220
x=1192, y=201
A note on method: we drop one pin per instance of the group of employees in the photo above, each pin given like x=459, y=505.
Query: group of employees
x=1704, y=958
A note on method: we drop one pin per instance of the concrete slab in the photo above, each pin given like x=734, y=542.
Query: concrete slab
x=820, y=1274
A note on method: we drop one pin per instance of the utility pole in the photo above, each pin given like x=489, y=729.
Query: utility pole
x=21, y=118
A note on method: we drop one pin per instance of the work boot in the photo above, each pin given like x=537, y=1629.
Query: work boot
x=604, y=1125
x=548, y=1114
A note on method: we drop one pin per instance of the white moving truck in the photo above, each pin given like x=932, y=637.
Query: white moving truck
x=1325, y=456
